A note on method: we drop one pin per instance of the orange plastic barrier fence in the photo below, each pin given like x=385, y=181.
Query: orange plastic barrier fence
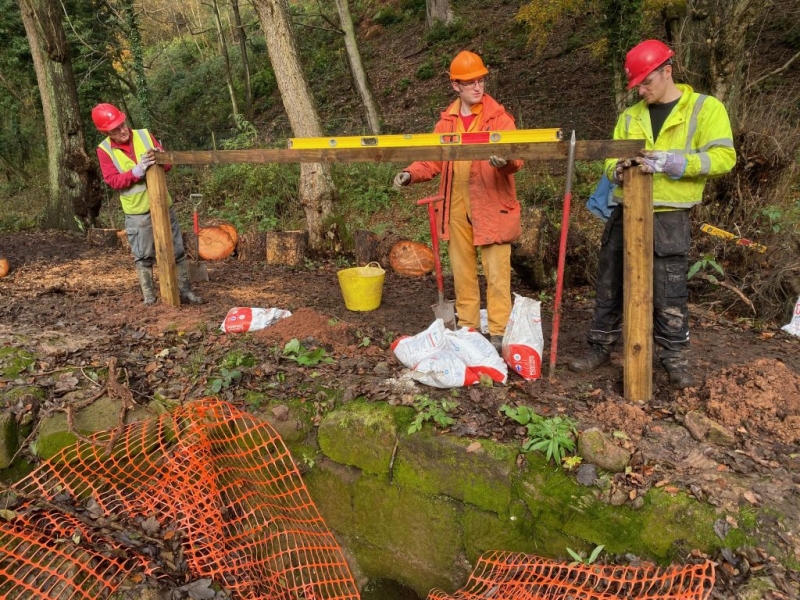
x=509, y=576
x=219, y=477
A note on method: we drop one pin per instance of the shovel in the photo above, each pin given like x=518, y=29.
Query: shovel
x=197, y=269
x=443, y=309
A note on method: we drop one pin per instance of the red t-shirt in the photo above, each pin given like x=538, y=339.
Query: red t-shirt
x=115, y=179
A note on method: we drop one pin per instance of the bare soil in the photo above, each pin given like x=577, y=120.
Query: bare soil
x=76, y=306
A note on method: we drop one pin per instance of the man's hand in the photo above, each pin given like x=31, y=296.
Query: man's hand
x=401, y=179
x=619, y=170
x=497, y=162
x=669, y=163
x=146, y=160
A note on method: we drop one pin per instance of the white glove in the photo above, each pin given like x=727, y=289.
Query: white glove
x=664, y=162
x=403, y=178
x=497, y=162
x=145, y=162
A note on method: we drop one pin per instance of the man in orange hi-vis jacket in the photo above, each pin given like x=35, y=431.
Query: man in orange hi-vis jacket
x=480, y=209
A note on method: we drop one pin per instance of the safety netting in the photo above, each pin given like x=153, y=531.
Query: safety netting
x=513, y=576
x=217, y=478
x=210, y=491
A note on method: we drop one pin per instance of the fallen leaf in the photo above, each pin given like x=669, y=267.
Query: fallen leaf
x=671, y=489
x=474, y=447
x=750, y=497
x=661, y=483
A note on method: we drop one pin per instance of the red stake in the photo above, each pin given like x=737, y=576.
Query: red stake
x=562, y=255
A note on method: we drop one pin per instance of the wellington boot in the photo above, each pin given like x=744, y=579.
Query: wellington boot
x=596, y=355
x=679, y=376
x=184, y=287
x=145, y=275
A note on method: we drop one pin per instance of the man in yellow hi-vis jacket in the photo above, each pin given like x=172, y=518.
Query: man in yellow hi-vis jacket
x=124, y=156
x=687, y=139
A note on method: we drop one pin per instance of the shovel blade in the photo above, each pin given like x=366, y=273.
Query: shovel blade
x=445, y=311
x=197, y=272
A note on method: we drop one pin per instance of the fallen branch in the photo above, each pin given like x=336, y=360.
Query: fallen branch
x=728, y=286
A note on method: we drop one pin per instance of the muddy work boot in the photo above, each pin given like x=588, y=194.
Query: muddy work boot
x=145, y=275
x=678, y=370
x=596, y=356
x=184, y=286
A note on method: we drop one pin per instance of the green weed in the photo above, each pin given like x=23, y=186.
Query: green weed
x=294, y=350
x=429, y=409
x=554, y=436
x=703, y=264
x=580, y=560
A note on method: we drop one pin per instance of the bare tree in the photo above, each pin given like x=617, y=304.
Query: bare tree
x=223, y=52
x=357, y=67
x=241, y=37
x=438, y=10
x=72, y=176
x=316, y=186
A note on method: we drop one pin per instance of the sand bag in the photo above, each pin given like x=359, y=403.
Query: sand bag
x=523, y=341
x=793, y=326
x=442, y=358
x=242, y=319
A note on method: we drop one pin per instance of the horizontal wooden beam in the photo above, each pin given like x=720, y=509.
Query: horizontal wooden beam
x=584, y=150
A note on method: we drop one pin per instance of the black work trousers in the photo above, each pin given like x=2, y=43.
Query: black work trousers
x=671, y=239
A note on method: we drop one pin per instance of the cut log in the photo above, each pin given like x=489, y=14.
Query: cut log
x=4, y=267
x=384, y=247
x=528, y=256
x=411, y=259
x=225, y=226
x=252, y=246
x=286, y=247
x=366, y=245
x=104, y=238
x=215, y=243
x=122, y=240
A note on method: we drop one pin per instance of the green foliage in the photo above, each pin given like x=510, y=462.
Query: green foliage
x=425, y=71
x=429, y=409
x=703, y=264
x=387, y=15
x=224, y=379
x=554, y=436
x=455, y=32
x=294, y=350
x=237, y=358
x=580, y=560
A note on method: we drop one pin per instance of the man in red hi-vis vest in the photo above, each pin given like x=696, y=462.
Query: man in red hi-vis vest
x=125, y=155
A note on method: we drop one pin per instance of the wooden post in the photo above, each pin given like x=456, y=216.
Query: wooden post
x=637, y=329
x=162, y=234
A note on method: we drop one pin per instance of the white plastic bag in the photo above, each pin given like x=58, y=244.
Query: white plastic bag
x=242, y=319
x=793, y=326
x=523, y=341
x=443, y=358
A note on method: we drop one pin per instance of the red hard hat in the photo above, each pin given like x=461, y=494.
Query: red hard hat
x=467, y=65
x=107, y=117
x=643, y=59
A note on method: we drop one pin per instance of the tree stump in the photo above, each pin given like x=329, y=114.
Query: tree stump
x=252, y=246
x=527, y=251
x=366, y=245
x=122, y=240
x=384, y=247
x=105, y=238
x=286, y=247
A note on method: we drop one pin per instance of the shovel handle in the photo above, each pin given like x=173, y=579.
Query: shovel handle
x=196, y=223
x=435, y=241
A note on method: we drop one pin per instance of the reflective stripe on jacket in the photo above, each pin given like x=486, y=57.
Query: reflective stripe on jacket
x=134, y=200
x=492, y=192
x=698, y=127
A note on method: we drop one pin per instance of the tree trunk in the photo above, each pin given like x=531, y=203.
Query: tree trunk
x=437, y=10
x=286, y=247
x=713, y=47
x=241, y=37
x=316, y=186
x=357, y=67
x=137, y=52
x=223, y=51
x=70, y=170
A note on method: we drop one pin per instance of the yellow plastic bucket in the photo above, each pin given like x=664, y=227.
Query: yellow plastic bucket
x=362, y=287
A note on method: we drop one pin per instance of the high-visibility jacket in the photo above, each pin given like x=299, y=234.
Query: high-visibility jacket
x=698, y=127
x=495, y=211
x=134, y=199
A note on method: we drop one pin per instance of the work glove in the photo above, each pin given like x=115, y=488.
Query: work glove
x=146, y=160
x=497, y=162
x=668, y=163
x=401, y=179
x=619, y=170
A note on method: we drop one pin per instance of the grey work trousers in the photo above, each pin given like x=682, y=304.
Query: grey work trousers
x=139, y=229
x=671, y=239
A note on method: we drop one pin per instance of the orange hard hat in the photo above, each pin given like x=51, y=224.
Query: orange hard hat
x=643, y=59
x=467, y=65
x=107, y=117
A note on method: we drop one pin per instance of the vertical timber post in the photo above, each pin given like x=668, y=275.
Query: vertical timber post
x=637, y=329
x=162, y=235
